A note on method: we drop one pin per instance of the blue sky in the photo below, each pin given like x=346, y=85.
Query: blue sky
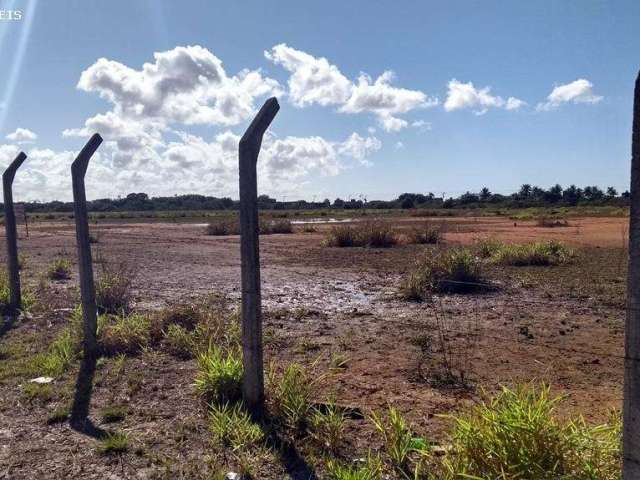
x=467, y=105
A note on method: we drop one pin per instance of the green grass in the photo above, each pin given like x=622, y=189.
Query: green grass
x=517, y=435
x=219, y=375
x=114, y=443
x=59, y=414
x=232, y=426
x=124, y=333
x=327, y=426
x=291, y=395
x=59, y=269
x=113, y=413
x=28, y=298
x=61, y=354
x=37, y=392
x=179, y=341
x=370, y=469
x=449, y=271
x=545, y=253
x=113, y=289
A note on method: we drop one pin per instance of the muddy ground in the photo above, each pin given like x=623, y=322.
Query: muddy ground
x=562, y=325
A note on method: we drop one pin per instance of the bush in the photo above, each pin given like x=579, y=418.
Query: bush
x=60, y=269
x=113, y=288
x=427, y=234
x=547, y=222
x=124, y=333
x=487, y=247
x=544, y=253
x=450, y=271
x=368, y=234
x=268, y=227
x=225, y=226
x=517, y=435
x=219, y=375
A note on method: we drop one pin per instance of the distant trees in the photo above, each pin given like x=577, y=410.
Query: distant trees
x=527, y=196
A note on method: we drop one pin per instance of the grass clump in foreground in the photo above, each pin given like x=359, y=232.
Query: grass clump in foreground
x=219, y=376
x=113, y=288
x=516, y=435
x=366, y=234
x=232, y=426
x=545, y=253
x=116, y=442
x=59, y=269
x=28, y=298
x=124, y=333
x=449, y=271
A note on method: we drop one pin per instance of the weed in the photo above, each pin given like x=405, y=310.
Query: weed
x=225, y=226
x=371, y=469
x=338, y=361
x=179, y=341
x=28, y=298
x=59, y=415
x=219, y=376
x=59, y=269
x=268, y=227
x=37, y=392
x=62, y=352
x=550, y=222
x=327, y=425
x=370, y=234
x=291, y=395
x=450, y=271
x=487, y=247
x=117, y=442
x=124, y=333
x=232, y=426
x=406, y=451
x=113, y=288
x=426, y=234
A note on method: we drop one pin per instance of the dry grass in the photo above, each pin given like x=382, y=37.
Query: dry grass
x=374, y=234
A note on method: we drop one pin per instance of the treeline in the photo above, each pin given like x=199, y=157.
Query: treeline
x=527, y=196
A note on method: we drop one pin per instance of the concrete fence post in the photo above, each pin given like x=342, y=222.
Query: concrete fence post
x=631, y=407
x=253, y=379
x=15, y=295
x=85, y=266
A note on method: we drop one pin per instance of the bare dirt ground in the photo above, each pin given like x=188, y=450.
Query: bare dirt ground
x=562, y=325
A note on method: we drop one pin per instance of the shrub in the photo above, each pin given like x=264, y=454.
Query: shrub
x=370, y=234
x=427, y=234
x=450, y=271
x=547, y=222
x=124, y=333
x=268, y=227
x=517, y=435
x=225, y=226
x=60, y=269
x=113, y=288
x=544, y=253
x=219, y=375
x=487, y=247
x=232, y=426
x=309, y=228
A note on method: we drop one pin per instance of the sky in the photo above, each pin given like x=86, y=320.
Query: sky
x=377, y=97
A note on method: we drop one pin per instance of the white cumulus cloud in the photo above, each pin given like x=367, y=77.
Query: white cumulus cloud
x=314, y=80
x=22, y=135
x=465, y=95
x=578, y=91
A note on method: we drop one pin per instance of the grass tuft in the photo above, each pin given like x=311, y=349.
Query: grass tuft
x=373, y=234
x=232, y=426
x=124, y=333
x=113, y=288
x=544, y=253
x=59, y=269
x=114, y=443
x=219, y=375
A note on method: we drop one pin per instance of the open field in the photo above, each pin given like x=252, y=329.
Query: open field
x=330, y=309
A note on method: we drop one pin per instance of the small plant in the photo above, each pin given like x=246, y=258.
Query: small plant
x=124, y=333
x=406, y=451
x=117, y=442
x=60, y=269
x=327, y=425
x=112, y=414
x=113, y=288
x=374, y=234
x=219, y=376
x=179, y=341
x=225, y=226
x=544, y=253
x=291, y=395
x=62, y=352
x=37, y=392
x=426, y=234
x=450, y=271
x=487, y=247
x=338, y=361
x=517, y=435
x=59, y=414
x=370, y=469
x=28, y=298
x=232, y=426
x=268, y=227
x=343, y=236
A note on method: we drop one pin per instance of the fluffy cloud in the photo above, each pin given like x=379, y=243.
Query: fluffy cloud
x=316, y=81
x=464, y=95
x=360, y=148
x=185, y=85
x=22, y=135
x=578, y=91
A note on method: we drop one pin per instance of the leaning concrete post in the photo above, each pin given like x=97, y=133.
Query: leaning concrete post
x=85, y=267
x=15, y=296
x=253, y=379
x=631, y=407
